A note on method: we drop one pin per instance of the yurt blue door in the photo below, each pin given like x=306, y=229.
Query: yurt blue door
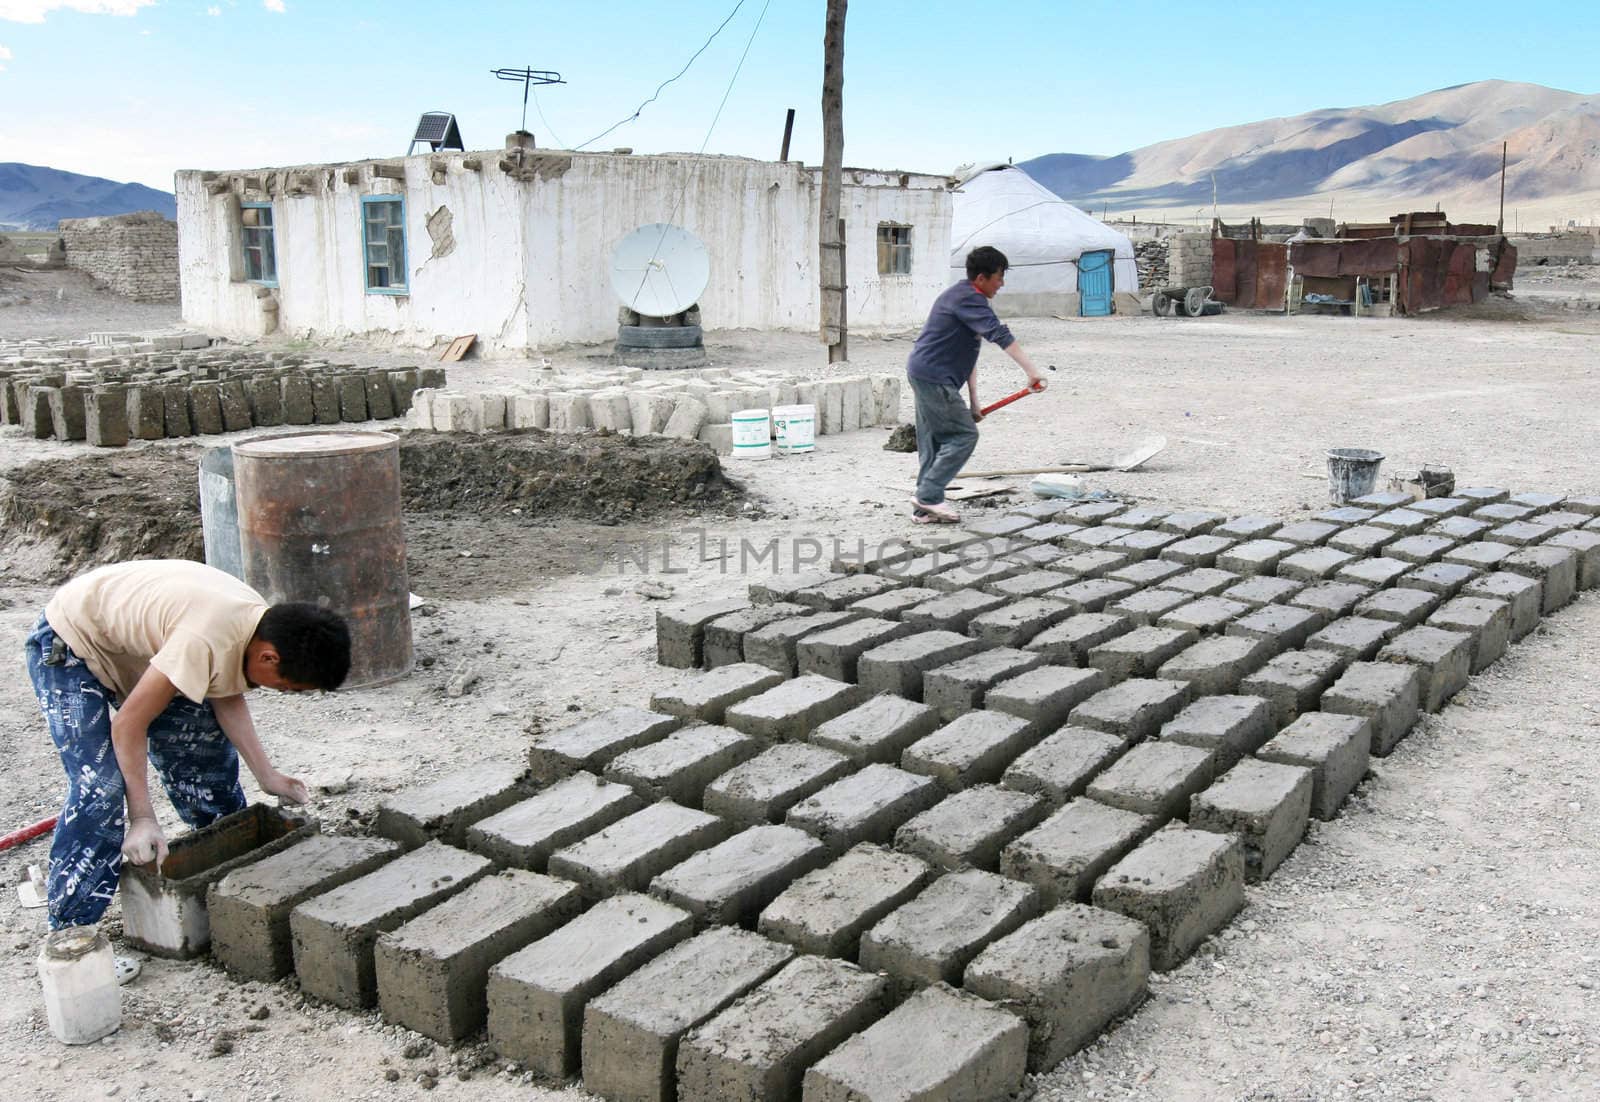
x=1094, y=284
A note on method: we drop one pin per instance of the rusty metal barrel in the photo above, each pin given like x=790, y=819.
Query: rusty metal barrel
x=319, y=521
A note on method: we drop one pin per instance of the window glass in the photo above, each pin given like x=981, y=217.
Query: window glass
x=384, y=243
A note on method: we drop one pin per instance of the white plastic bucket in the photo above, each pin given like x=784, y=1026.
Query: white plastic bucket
x=752, y=434
x=795, y=428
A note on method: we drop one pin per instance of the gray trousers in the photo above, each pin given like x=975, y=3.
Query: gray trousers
x=946, y=437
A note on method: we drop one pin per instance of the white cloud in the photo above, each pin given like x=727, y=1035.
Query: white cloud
x=213, y=11
x=34, y=11
x=273, y=5
x=5, y=55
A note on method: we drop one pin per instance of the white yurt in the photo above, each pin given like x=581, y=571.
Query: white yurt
x=1063, y=261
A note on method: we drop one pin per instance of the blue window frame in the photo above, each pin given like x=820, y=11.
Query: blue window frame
x=383, y=243
x=256, y=238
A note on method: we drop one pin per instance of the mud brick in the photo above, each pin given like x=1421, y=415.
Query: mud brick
x=867, y=806
x=1375, y=573
x=794, y=708
x=536, y=996
x=1141, y=652
x=1147, y=605
x=1070, y=641
x=1183, y=884
x=1443, y=579
x=970, y=828
x=1042, y=554
x=1460, y=528
x=33, y=403
x=1333, y=747
x=1249, y=527
x=591, y=744
x=1587, y=547
x=1029, y=583
x=776, y=646
x=1191, y=522
x=526, y=833
x=1354, y=637
x=1016, y=623
x=445, y=808
x=1555, y=567
x=833, y=595
x=1090, y=564
x=265, y=395
x=1441, y=506
x=951, y=611
x=1230, y=727
x=1521, y=533
x=1134, y=709
x=974, y=748
x=629, y=853
x=325, y=400
x=783, y=587
x=1306, y=533
x=1216, y=664
x=1522, y=593
x=1093, y=511
x=249, y=907
x=1313, y=564
x=403, y=385
x=878, y=730
x=900, y=666
x=1142, y=517
x=681, y=765
x=1502, y=512
x=1049, y=509
x=680, y=635
x=1049, y=532
x=722, y=642
x=1588, y=504
x=1045, y=696
x=631, y=1033
x=1406, y=522
x=833, y=652
x=1419, y=549
x=334, y=933
x=1094, y=538
x=730, y=883
x=1259, y=556
x=379, y=398
x=958, y=687
x=1142, y=545
x=1347, y=514
x=1363, y=539
x=1206, y=615
x=67, y=412
x=1260, y=591
x=1536, y=501
x=433, y=972
x=1199, y=551
x=972, y=574
x=826, y=911
x=1281, y=627
x=891, y=604
x=1444, y=657
x=147, y=412
x=939, y=1044
x=1148, y=572
x=1387, y=693
x=1155, y=778
x=762, y=789
x=1060, y=767
x=1484, y=495
x=1003, y=525
x=1563, y=520
x=1487, y=621
x=1267, y=805
x=882, y=557
x=1069, y=851
x=707, y=696
x=935, y=936
x=175, y=411
x=105, y=414
x=1294, y=681
x=760, y=1047
x=1331, y=598
x=1071, y=973
x=916, y=571
x=1402, y=605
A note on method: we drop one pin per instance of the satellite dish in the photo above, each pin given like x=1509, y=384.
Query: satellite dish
x=660, y=270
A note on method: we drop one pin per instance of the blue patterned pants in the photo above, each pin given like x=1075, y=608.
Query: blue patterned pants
x=196, y=762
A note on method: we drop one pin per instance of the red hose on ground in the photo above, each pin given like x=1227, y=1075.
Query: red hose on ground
x=17, y=837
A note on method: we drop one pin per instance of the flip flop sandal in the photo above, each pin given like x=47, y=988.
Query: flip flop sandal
x=127, y=969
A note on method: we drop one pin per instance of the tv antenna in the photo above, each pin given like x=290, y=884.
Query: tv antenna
x=529, y=78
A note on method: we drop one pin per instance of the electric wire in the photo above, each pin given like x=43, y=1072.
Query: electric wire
x=540, y=109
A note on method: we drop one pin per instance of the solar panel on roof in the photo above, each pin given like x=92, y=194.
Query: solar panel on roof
x=439, y=130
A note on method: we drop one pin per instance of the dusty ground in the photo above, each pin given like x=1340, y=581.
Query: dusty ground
x=1439, y=941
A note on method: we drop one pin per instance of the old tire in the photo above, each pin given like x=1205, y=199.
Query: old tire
x=1160, y=304
x=676, y=336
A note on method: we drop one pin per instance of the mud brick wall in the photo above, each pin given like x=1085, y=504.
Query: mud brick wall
x=135, y=255
x=1540, y=249
x=1189, y=263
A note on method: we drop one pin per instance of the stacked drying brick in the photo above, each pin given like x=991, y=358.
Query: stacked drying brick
x=922, y=823
x=118, y=388
x=687, y=404
x=1189, y=260
x=135, y=255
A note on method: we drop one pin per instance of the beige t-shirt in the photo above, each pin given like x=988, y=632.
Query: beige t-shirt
x=188, y=620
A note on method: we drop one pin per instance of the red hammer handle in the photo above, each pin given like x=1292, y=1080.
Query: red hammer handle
x=1007, y=400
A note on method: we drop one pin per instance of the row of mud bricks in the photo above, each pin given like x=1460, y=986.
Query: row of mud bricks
x=921, y=824
x=110, y=405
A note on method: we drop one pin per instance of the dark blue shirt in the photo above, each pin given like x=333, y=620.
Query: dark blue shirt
x=947, y=348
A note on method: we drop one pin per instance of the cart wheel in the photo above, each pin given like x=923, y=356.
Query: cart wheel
x=1194, y=301
x=1160, y=304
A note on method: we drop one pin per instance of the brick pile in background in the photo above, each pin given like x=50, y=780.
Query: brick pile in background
x=135, y=255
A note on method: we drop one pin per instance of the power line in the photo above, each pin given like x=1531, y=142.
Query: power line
x=540, y=109
x=669, y=80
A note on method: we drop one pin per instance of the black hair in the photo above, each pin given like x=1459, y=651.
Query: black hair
x=313, y=644
x=986, y=260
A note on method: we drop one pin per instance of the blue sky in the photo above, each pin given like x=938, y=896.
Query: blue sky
x=135, y=89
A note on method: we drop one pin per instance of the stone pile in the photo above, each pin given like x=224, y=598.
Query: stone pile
x=1150, y=256
x=687, y=404
x=924, y=822
x=117, y=388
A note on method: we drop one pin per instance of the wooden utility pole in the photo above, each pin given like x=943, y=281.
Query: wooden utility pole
x=1500, y=226
x=830, y=228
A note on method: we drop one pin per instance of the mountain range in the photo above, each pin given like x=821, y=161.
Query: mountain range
x=35, y=198
x=1441, y=149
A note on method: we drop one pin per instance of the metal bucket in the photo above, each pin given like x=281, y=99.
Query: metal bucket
x=319, y=521
x=219, y=511
x=1352, y=473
